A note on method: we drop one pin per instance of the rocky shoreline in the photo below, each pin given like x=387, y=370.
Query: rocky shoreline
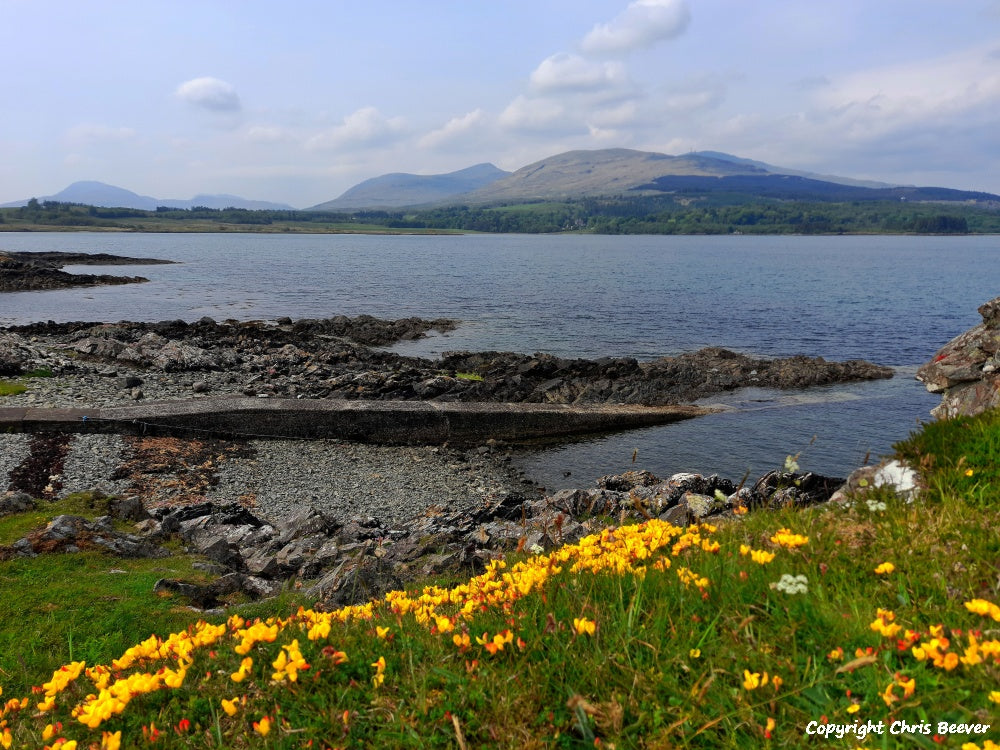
x=36, y=271
x=348, y=520
x=114, y=363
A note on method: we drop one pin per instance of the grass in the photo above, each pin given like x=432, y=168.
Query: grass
x=646, y=637
x=8, y=388
x=11, y=388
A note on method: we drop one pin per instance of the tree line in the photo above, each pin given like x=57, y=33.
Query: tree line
x=653, y=214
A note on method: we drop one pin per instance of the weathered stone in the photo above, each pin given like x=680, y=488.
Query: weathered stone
x=701, y=506
x=966, y=370
x=128, y=508
x=307, y=521
x=215, y=547
x=15, y=502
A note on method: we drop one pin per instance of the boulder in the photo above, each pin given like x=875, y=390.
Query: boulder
x=966, y=370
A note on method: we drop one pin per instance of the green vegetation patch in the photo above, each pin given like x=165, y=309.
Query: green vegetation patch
x=7, y=388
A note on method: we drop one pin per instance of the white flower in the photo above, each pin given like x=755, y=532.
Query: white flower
x=875, y=505
x=536, y=549
x=791, y=465
x=792, y=584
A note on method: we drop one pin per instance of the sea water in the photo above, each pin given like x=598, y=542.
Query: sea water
x=893, y=300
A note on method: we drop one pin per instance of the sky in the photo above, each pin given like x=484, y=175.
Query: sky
x=295, y=102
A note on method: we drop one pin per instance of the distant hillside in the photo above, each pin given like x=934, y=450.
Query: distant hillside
x=577, y=174
x=109, y=196
x=796, y=172
x=791, y=187
x=399, y=189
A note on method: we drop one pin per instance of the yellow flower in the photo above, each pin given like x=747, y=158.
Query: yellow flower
x=245, y=666
x=444, y=624
x=984, y=607
x=969, y=472
x=836, y=655
x=379, y=676
x=6, y=738
x=785, y=538
x=48, y=732
x=262, y=727
x=230, y=706
x=753, y=680
x=583, y=626
x=854, y=708
x=694, y=653
x=777, y=682
x=885, y=568
x=381, y=632
x=908, y=686
x=995, y=696
x=111, y=741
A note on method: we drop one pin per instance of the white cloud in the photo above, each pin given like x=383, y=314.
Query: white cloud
x=527, y=113
x=455, y=129
x=366, y=126
x=875, y=102
x=641, y=24
x=210, y=93
x=565, y=72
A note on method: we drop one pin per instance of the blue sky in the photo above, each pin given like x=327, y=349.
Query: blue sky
x=297, y=101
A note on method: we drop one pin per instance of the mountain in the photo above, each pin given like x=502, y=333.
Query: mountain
x=576, y=174
x=400, y=189
x=109, y=196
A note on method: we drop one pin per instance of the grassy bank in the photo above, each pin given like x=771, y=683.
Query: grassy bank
x=748, y=634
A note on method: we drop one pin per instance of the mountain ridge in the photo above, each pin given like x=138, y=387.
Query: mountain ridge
x=94, y=193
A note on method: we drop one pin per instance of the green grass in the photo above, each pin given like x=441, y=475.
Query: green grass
x=474, y=376
x=665, y=667
x=7, y=388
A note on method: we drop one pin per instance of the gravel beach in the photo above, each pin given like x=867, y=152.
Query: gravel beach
x=276, y=477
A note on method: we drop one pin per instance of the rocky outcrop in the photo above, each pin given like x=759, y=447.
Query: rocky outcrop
x=22, y=271
x=966, y=370
x=335, y=358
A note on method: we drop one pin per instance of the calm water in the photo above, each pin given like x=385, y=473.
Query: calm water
x=892, y=300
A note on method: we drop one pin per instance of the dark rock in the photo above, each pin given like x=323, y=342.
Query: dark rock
x=15, y=502
x=354, y=581
x=128, y=508
x=627, y=481
x=67, y=533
